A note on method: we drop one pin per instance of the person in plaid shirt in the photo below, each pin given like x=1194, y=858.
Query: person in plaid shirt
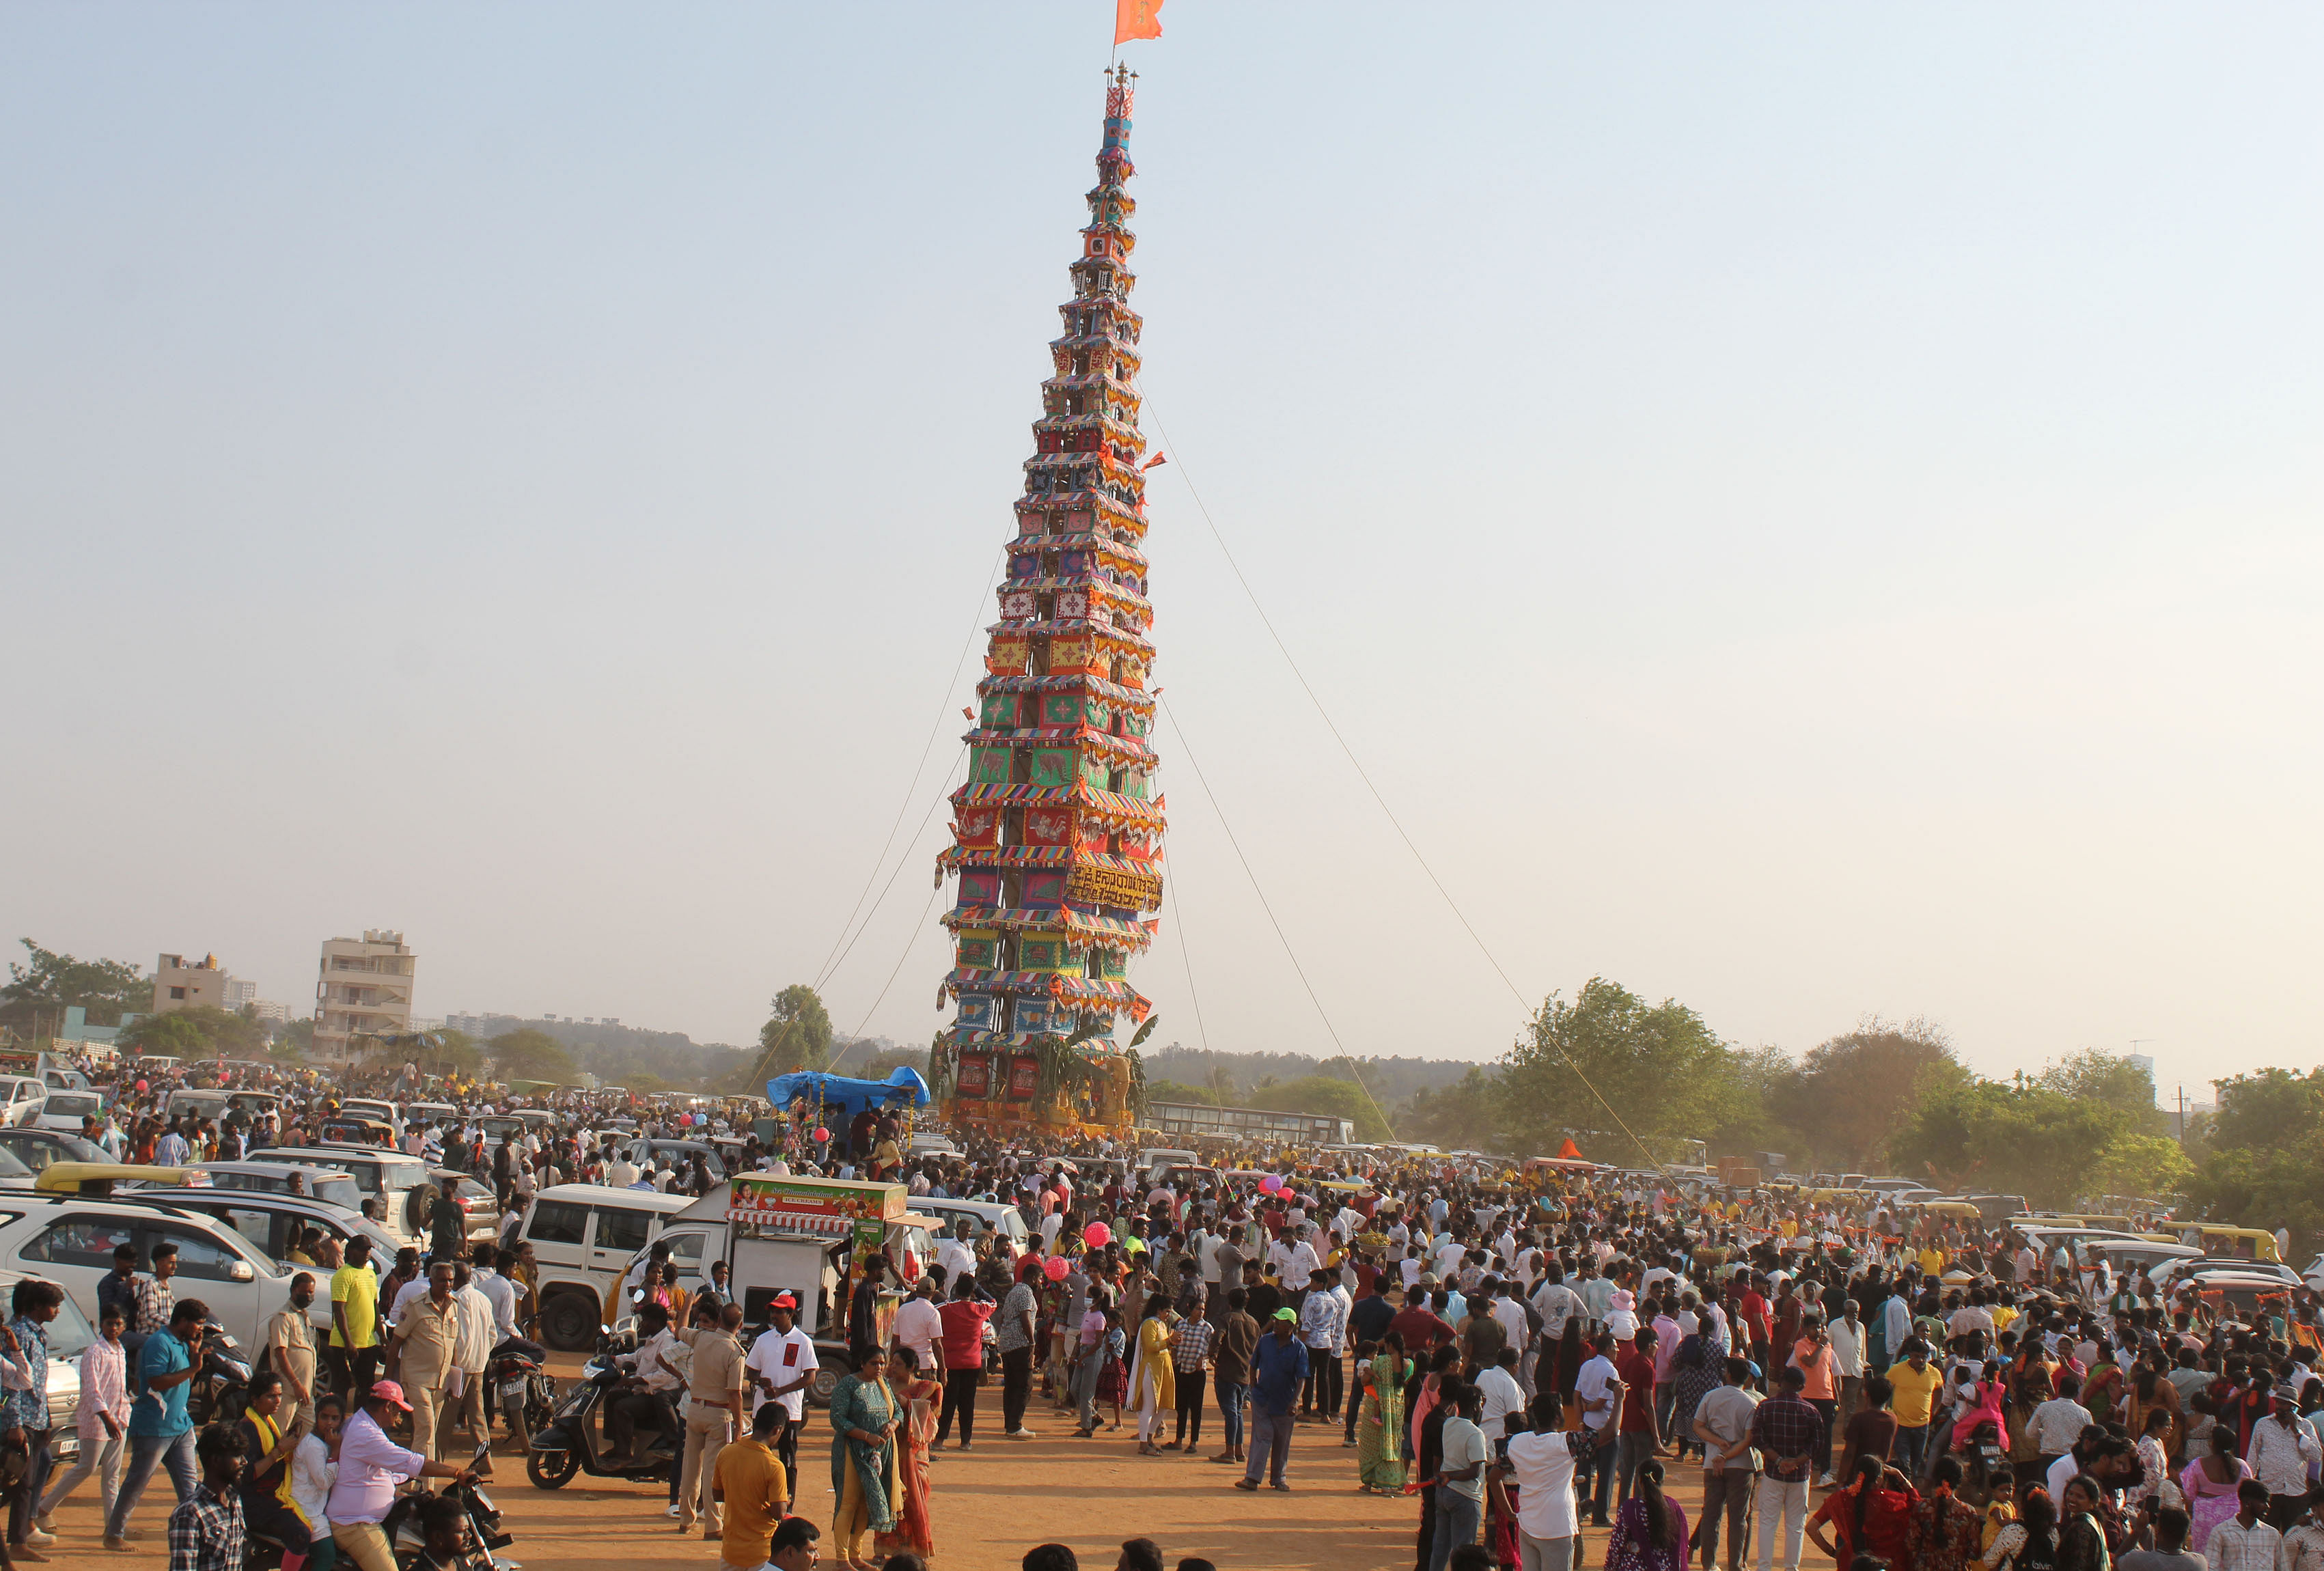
x=205, y=1531
x=1785, y=1431
x=1190, y=1356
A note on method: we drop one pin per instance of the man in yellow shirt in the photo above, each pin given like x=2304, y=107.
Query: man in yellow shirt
x=1913, y=1392
x=749, y=1484
x=355, y=1319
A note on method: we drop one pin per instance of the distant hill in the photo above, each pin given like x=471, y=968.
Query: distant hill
x=619, y=1054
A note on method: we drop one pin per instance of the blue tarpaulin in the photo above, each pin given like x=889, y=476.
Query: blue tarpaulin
x=849, y=1097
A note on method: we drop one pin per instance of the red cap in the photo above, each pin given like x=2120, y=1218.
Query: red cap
x=387, y=1390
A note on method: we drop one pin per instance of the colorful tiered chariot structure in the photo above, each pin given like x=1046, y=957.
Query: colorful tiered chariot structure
x=1058, y=832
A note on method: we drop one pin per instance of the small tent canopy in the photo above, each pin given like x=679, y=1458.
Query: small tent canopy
x=903, y=1088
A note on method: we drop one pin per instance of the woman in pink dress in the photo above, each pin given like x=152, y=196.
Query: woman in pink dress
x=2210, y=1483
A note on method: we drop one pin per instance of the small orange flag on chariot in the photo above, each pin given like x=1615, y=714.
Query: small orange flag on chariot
x=1137, y=18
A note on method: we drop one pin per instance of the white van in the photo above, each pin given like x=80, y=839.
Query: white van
x=584, y=1237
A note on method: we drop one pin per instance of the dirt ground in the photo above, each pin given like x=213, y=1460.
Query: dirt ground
x=992, y=1505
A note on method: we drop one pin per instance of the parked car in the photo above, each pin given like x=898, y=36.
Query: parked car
x=70, y=1239
x=328, y=1183
x=398, y=1182
x=386, y=1113
x=480, y=1204
x=983, y=1216
x=64, y=1110
x=273, y=1224
x=37, y=1148
x=21, y=1097
x=69, y=1337
x=679, y=1154
x=2206, y=1273
x=64, y=1080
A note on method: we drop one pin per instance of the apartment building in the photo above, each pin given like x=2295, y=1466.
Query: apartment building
x=363, y=991
x=178, y=986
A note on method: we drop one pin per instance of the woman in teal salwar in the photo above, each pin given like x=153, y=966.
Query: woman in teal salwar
x=1379, y=1426
x=863, y=1474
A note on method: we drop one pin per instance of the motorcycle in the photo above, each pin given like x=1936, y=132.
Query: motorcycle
x=220, y=1390
x=572, y=1442
x=482, y=1535
x=519, y=1383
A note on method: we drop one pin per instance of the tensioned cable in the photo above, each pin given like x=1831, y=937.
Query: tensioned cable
x=902, y=863
x=830, y=961
x=1281, y=937
x=1185, y=952
x=898, y=970
x=1178, y=461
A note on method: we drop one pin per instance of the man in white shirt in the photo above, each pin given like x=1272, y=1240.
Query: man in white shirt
x=1722, y=1422
x=1298, y=1260
x=1543, y=1461
x=1847, y=1337
x=955, y=1255
x=499, y=1292
x=1497, y=1382
x=1556, y=1303
x=781, y=1364
x=920, y=1328
x=471, y=1351
x=621, y=1172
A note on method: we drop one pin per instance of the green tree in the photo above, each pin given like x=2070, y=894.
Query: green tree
x=105, y=989
x=1663, y=1069
x=293, y=1041
x=528, y=1054
x=1325, y=1095
x=204, y=1031
x=450, y=1052
x=1181, y=1092
x=1464, y=1115
x=2098, y=1075
x=171, y=1035
x=2261, y=1153
x=2149, y=1166
x=797, y=1035
x=2017, y=1136
x=1853, y=1092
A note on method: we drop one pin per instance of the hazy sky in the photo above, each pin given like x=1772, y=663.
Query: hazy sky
x=1808, y=510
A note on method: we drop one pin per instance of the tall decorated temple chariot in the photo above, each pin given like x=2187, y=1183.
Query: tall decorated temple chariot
x=1057, y=830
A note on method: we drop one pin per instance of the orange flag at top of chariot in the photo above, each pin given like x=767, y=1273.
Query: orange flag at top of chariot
x=1569, y=1152
x=1137, y=18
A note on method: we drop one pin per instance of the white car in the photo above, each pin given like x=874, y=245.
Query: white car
x=63, y=1110
x=21, y=1097
x=2314, y=1275
x=69, y=1337
x=69, y=1240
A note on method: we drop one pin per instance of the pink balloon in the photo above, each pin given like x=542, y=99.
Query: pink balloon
x=1097, y=1235
x=1271, y=1182
x=823, y=1134
x=1056, y=1267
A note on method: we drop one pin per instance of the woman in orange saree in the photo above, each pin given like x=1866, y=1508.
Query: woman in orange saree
x=915, y=1531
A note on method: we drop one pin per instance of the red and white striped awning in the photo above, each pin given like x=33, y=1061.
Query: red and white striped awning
x=817, y=1222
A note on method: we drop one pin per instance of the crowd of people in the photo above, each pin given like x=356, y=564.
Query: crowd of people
x=1519, y=1357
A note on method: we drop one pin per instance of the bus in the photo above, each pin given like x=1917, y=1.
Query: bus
x=1198, y=1121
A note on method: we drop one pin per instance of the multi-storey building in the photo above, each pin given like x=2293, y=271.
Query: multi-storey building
x=178, y=986
x=362, y=992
